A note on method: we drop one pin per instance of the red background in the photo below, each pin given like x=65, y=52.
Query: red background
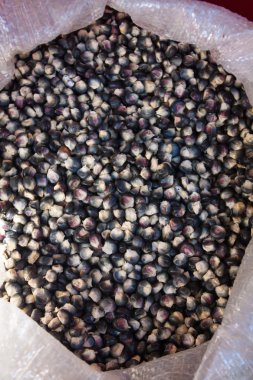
x=243, y=7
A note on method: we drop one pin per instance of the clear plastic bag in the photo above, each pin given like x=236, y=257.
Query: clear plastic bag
x=26, y=350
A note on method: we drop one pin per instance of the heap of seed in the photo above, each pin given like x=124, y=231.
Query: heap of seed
x=125, y=191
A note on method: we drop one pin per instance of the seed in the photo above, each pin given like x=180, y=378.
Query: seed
x=129, y=286
x=20, y=203
x=218, y=314
x=190, y=303
x=162, y=315
x=170, y=348
x=130, y=214
x=117, y=234
x=202, y=267
x=86, y=253
x=42, y=297
x=167, y=300
x=222, y=290
x=88, y=355
x=149, y=86
x=63, y=316
x=218, y=232
x=51, y=276
x=176, y=318
x=53, y=176
x=119, y=276
x=56, y=211
x=239, y=208
x=180, y=280
x=207, y=298
x=56, y=237
x=121, y=324
x=95, y=295
x=148, y=271
x=144, y=288
x=131, y=256
x=117, y=350
x=127, y=201
x=180, y=260
x=187, y=340
x=12, y=289
x=105, y=216
x=109, y=247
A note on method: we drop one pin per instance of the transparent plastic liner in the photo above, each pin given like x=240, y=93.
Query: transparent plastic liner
x=27, y=352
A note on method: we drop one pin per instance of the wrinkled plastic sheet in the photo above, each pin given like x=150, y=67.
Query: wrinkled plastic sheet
x=26, y=350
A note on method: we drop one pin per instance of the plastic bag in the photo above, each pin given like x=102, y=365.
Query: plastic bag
x=26, y=350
